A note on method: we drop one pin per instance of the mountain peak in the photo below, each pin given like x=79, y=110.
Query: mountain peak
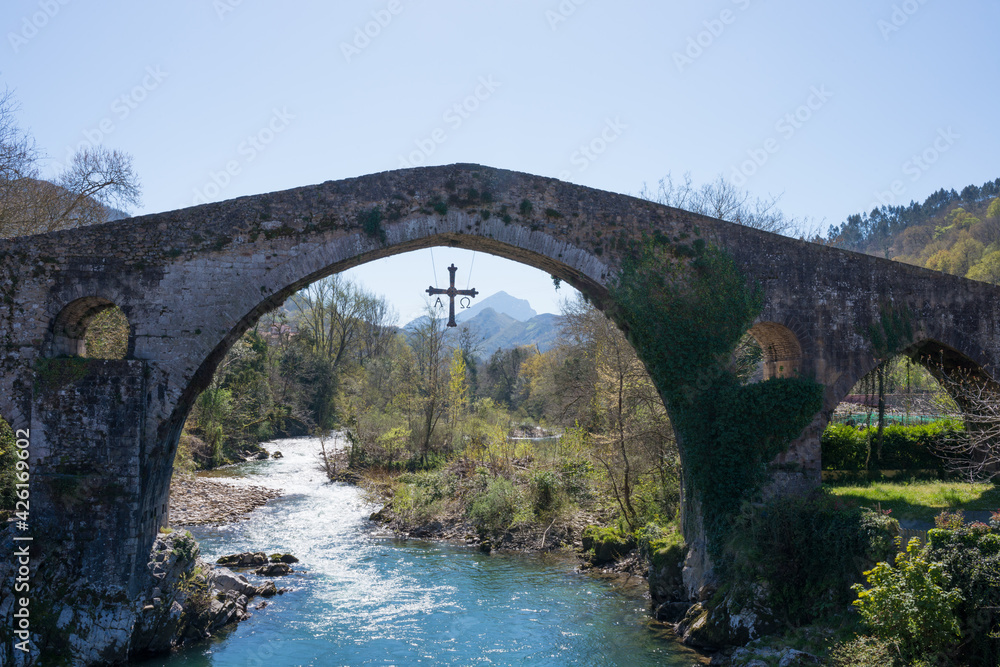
x=501, y=302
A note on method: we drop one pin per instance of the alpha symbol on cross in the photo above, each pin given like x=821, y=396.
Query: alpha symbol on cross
x=451, y=292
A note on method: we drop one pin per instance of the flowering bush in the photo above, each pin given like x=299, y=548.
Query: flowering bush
x=912, y=604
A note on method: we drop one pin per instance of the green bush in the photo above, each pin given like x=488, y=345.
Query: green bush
x=546, y=491
x=867, y=652
x=419, y=497
x=804, y=553
x=844, y=448
x=493, y=510
x=903, y=448
x=970, y=557
x=8, y=469
x=608, y=544
x=911, y=605
x=662, y=547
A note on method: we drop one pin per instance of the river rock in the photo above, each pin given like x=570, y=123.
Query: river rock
x=277, y=455
x=283, y=558
x=273, y=570
x=712, y=627
x=245, y=559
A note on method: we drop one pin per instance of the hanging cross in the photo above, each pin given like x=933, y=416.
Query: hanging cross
x=452, y=293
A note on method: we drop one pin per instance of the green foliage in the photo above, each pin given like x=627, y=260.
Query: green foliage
x=685, y=318
x=371, y=223
x=867, y=651
x=970, y=557
x=904, y=447
x=805, y=553
x=53, y=374
x=214, y=406
x=8, y=469
x=892, y=332
x=185, y=547
x=526, y=208
x=420, y=497
x=493, y=510
x=606, y=544
x=546, y=491
x=912, y=604
x=662, y=547
x=949, y=520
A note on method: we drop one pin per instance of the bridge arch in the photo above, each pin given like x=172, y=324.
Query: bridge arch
x=781, y=348
x=576, y=267
x=68, y=333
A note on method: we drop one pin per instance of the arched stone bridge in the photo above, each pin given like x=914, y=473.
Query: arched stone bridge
x=104, y=433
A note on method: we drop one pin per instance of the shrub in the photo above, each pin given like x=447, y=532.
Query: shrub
x=546, y=491
x=911, y=605
x=867, y=652
x=844, y=448
x=949, y=520
x=805, y=553
x=419, y=497
x=608, y=544
x=661, y=547
x=493, y=510
x=970, y=556
x=185, y=547
x=8, y=470
x=904, y=447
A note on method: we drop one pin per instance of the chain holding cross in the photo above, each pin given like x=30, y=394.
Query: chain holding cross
x=452, y=293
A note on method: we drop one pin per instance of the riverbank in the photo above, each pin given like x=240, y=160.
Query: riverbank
x=198, y=500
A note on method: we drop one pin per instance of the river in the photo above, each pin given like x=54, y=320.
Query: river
x=361, y=598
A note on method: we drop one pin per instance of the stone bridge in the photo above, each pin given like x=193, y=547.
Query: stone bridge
x=103, y=434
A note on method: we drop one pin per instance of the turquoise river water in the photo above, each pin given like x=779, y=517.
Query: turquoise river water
x=361, y=598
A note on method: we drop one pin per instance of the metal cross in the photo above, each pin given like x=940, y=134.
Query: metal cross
x=452, y=293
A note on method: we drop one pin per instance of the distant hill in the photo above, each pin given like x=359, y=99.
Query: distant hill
x=953, y=232
x=516, y=325
x=501, y=302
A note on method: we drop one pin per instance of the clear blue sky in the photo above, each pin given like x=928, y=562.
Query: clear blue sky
x=824, y=103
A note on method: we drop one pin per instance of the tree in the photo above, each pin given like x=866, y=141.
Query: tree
x=427, y=340
x=987, y=269
x=95, y=183
x=501, y=375
x=628, y=429
x=975, y=451
x=723, y=200
x=343, y=324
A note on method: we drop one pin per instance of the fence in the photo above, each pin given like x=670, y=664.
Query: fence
x=909, y=533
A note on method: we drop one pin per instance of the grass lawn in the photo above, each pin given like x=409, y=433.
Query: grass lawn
x=921, y=500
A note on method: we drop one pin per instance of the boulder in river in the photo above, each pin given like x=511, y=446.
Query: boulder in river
x=283, y=558
x=273, y=570
x=245, y=559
